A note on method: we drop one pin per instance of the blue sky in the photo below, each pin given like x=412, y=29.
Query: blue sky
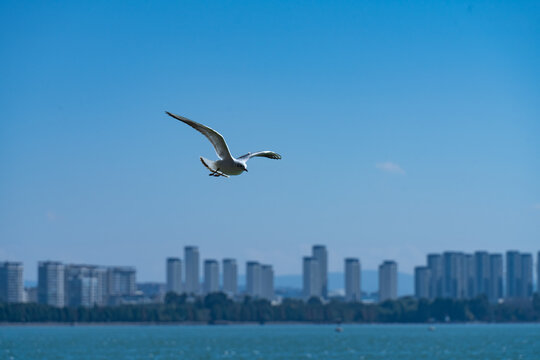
x=405, y=128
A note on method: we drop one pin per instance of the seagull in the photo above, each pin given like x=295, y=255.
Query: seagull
x=227, y=164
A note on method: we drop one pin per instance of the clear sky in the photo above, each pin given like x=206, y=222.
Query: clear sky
x=405, y=128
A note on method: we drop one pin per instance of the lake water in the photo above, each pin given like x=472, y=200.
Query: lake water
x=516, y=341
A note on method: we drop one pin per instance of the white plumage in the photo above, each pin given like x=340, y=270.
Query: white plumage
x=227, y=164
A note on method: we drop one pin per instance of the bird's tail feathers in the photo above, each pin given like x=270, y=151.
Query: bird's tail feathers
x=209, y=164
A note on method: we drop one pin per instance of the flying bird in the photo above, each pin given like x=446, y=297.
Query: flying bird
x=227, y=164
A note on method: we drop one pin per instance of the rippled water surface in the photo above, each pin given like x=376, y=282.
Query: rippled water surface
x=271, y=342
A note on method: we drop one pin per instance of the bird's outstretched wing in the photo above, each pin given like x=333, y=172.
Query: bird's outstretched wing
x=267, y=154
x=215, y=138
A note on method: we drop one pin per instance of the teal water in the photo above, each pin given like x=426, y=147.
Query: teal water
x=516, y=341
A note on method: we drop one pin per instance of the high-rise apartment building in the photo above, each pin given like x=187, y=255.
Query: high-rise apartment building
x=519, y=275
x=211, y=276
x=311, y=283
x=455, y=275
x=320, y=253
x=11, y=282
x=388, y=280
x=267, y=282
x=100, y=273
x=422, y=282
x=51, y=283
x=513, y=274
x=352, y=280
x=83, y=285
x=253, y=279
x=496, y=277
x=230, y=277
x=526, y=289
x=482, y=273
x=436, y=269
x=191, y=256
x=174, y=275
x=450, y=279
x=121, y=281
x=470, y=274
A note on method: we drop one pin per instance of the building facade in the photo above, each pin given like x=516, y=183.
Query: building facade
x=482, y=273
x=519, y=275
x=51, y=283
x=230, y=277
x=174, y=275
x=422, y=282
x=496, y=291
x=11, y=282
x=470, y=273
x=267, y=282
x=253, y=279
x=211, y=276
x=435, y=265
x=310, y=274
x=191, y=256
x=388, y=280
x=458, y=275
x=513, y=274
x=353, y=292
x=83, y=285
x=121, y=281
x=526, y=289
x=320, y=253
x=455, y=275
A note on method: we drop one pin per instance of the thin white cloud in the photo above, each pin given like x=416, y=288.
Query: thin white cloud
x=390, y=167
x=51, y=215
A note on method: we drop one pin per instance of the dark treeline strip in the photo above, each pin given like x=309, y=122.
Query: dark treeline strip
x=217, y=308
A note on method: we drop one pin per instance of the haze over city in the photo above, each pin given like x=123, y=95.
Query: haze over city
x=397, y=141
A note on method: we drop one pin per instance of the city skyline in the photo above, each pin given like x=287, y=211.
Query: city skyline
x=534, y=265
x=334, y=261
x=470, y=274
x=451, y=275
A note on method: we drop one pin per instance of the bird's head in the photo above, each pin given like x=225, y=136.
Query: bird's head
x=242, y=165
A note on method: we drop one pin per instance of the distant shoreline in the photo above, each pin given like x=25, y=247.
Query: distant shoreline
x=218, y=309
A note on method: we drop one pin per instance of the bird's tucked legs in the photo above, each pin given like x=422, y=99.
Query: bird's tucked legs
x=213, y=172
x=216, y=173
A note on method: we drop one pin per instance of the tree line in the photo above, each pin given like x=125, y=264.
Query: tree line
x=217, y=308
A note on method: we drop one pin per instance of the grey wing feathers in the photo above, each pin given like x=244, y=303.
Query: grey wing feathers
x=267, y=154
x=215, y=138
